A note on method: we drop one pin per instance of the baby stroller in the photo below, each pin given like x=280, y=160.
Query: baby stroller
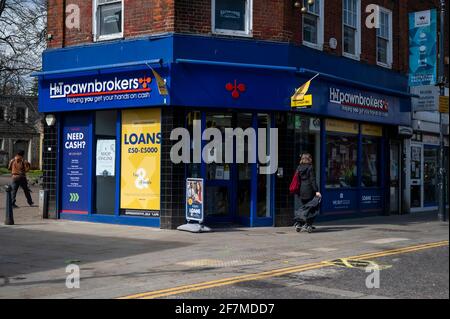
x=307, y=213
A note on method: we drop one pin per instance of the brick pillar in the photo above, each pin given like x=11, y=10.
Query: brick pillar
x=172, y=176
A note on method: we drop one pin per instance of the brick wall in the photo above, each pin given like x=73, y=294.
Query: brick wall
x=273, y=20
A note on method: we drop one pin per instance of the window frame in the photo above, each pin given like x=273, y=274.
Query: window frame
x=357, y=55
x=248, y=22
x=25, y=114
x=95, y=16
x=320, y=27
x=389, y=54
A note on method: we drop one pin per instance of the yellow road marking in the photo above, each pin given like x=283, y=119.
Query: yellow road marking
x=276, y=272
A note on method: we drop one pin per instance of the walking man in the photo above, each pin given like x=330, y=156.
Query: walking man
x=19, y=167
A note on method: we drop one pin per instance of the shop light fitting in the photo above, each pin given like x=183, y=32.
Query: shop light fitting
x=50, y=119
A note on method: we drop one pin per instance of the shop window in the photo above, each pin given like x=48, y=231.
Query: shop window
x=232, y=17
x=384, y=39
x=313, y=24
x=370, y=162
x=352, y=28
x=105, y=165
x=342, y=157
x=108, y=19
x=2, y=114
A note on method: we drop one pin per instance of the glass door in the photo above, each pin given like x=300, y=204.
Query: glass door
x=219, y=175
x=244, y=174
x=430, y=177
x=416, y=176
x=264, y=215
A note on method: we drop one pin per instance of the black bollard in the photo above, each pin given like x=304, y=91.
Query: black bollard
x=9, y=216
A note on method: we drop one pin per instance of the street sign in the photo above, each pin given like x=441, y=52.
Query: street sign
x=443, y=104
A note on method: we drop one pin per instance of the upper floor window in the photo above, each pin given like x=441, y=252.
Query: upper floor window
x=232, y=17
x=313, y=22
x=352, y=28
x=384, y=38
x=21, y=115
x=108, y=19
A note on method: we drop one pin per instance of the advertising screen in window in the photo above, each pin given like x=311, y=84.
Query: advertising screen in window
x=342, y=157
x=370, y=162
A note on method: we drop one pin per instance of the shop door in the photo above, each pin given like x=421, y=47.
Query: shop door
x=416, y=176
x=219, y=190
x=264, y=182
x=394, y=184
x=430, y=170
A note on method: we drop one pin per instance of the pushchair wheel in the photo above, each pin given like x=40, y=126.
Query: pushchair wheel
x=298, y=228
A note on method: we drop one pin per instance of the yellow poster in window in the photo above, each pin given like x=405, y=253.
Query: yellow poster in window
x=140, y=184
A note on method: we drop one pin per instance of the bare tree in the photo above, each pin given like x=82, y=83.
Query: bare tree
x=22, y=40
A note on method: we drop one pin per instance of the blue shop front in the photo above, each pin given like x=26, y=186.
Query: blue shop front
x=114, y=123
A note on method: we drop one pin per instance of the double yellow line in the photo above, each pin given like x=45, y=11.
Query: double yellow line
x=275, y=273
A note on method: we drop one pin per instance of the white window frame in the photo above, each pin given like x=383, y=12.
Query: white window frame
x=390, y=45
x=320, y=28
x=357, y=55
x=248, y=22
x=114, y=36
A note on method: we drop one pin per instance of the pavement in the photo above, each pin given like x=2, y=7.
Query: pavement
x=137, y=262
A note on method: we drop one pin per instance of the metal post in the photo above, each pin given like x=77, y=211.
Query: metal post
x=441, y=211
x=9, y=217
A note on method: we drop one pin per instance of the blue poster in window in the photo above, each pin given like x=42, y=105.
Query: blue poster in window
x=75, y=165
x=422, y=48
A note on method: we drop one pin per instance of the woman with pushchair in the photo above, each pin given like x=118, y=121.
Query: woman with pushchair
x=308, y=197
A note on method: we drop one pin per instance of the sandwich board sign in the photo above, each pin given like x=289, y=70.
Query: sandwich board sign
x=194, y=199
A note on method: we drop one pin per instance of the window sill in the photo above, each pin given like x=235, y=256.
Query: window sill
x=233, y=33
x=351, y=56
x=108, y=37
x=313, y=45
x=384, y=65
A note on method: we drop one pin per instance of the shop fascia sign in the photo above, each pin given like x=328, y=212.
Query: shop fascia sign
x=358, y=100
x=100, y=87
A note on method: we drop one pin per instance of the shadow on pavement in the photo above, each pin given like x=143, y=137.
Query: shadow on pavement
x=24, y=251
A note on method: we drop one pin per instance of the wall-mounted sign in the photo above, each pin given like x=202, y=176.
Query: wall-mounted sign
x=341, y=126
x=141, y=160
x=194, y=199
x=106, y=157
x=102, y=91
x=359, y=102
x=75, y=164
x=422, y=48
x=428, y=99
x=371, y=130
x=301, y=99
